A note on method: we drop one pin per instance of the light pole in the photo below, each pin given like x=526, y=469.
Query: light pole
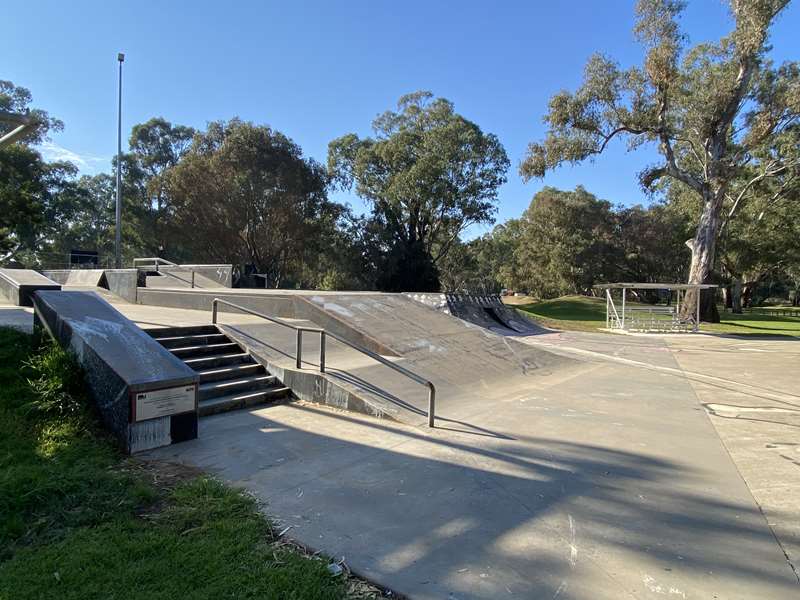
x=118, y=236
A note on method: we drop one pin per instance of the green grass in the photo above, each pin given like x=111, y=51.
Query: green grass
x=575, y=313
x=80, y=521
x=582, y=313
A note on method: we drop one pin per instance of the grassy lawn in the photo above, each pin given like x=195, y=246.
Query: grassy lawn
x=581, y=313
x=575, y=313
x=80, y=521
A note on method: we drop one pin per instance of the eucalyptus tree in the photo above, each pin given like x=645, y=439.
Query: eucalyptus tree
x=33, y=193
x=566, y=243
x=722, y=116
x=245, y=194
x=17, y=99
x=154, y=147
x=428, y=173
x=762, y=243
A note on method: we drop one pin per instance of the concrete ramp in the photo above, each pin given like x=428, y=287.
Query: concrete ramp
x=114, y=285
x=17, y=285
x=488, y=312
x=470, y=365
x=85, y=277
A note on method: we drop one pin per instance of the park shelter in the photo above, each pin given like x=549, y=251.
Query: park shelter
x=644, y=317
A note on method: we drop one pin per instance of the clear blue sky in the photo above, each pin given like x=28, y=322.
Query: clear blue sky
x=317, y=70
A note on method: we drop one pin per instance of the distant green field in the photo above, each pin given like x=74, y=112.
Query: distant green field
x=581, y=313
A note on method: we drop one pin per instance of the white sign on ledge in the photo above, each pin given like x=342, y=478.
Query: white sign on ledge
x=162, y=403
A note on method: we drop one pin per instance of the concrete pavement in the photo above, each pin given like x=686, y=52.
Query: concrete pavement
x=611, y=483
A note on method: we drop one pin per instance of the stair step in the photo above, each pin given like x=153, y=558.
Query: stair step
x=219, y=360
x=233, y=386
x=230, y=378
x=162, y=332
x=204, y=339
x=236, y=401
x=230, y=372
x=192, y=351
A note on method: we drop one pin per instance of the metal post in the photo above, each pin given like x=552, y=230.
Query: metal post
x=214, y=311
x=431, y=404
x=321, y=351
x=608, y=308
x=623, y=307
x=118, y=233
x=192, y=278
x=299, y=349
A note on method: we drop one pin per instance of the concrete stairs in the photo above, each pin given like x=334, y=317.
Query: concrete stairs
x=229, y=377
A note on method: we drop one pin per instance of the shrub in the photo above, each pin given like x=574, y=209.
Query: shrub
x=57, y=381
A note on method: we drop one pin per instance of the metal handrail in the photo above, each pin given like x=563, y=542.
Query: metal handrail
x=323, y=334
x=156, y=261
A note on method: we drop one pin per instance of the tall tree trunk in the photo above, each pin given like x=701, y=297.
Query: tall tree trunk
x=726, y=297
x=747, y=294
x=736, y=296
x=703, y=247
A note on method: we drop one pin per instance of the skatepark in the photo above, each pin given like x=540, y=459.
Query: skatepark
x=560, y=464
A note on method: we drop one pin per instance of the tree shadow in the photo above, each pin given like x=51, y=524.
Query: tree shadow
x=440, y=517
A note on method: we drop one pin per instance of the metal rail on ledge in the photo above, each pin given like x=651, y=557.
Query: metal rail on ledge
x=323, y=335
x=155, y=261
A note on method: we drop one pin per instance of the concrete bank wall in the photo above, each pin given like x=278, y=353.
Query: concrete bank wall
x=121, y=282
x=121, y=364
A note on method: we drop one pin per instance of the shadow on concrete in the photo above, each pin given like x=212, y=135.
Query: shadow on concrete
x=532, y=519
x=16, y=318
x=357, y=381
x=349, y=377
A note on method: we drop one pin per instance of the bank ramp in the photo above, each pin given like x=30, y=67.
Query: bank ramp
x=469, y=364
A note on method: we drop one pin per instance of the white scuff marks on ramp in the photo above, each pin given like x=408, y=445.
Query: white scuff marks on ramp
x=573, y=547
x=93, y=327
x=419, y=344
x=652, y=585
x=332, y=306
x=561, y=588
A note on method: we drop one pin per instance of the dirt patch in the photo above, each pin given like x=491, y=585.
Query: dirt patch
x=163, y=475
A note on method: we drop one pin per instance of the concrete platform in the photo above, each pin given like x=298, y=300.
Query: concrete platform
x=17, y=285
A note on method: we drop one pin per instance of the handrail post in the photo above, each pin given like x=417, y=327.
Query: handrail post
x=431, y=404
x=321, y=351
x=214, y=311
x=299, y=349
x=192, y=278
